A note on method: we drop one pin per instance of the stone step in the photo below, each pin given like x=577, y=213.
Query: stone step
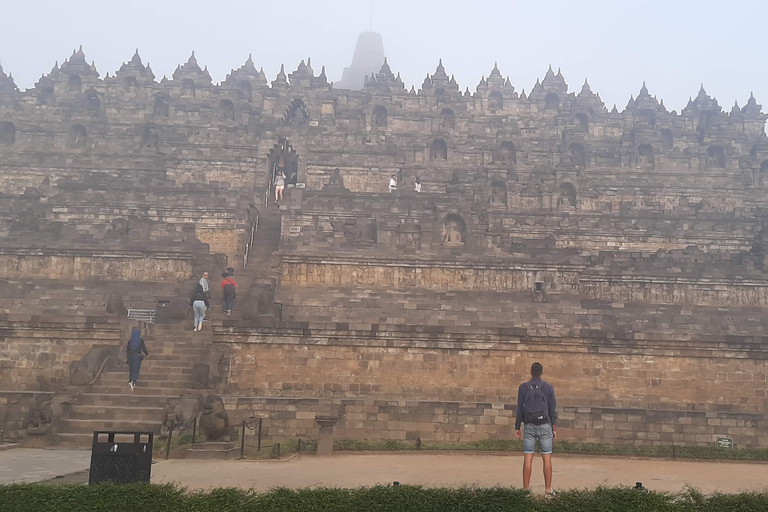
x=213, y=451
x=151, y=372
x=142, y=388
x=129, y=399
x=148, y=380
x=116, y=413
x=80, y=426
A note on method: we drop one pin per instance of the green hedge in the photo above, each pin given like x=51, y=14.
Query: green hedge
x=150, y=498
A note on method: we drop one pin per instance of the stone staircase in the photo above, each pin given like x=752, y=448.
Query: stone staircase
x=262, y=268
x=110, y=404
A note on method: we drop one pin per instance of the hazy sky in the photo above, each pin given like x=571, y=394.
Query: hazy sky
x=674, y=45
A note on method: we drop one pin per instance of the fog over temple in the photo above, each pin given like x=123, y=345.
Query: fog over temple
x=368, y=57
x=623, y=248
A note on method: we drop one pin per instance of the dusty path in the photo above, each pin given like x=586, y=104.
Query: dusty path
x=456, y=470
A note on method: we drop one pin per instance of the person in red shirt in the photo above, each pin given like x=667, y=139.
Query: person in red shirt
x=228, y=287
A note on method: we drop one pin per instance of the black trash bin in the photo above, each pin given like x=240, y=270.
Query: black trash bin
x=163, y=311
x=121, y=457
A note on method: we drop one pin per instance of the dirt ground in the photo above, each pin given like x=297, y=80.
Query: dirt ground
x=453, y=470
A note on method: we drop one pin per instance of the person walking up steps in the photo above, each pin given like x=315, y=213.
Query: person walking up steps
x=228, y=287
x=199, y=303
x=204, y=283
x=134, y=350
x=537, y=409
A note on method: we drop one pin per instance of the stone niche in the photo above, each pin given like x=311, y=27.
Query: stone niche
x=454, y=231
x=408, y=236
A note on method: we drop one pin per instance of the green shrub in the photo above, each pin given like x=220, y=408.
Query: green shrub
x=404, y=498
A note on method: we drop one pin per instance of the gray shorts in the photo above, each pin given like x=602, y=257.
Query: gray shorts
x=542, y=433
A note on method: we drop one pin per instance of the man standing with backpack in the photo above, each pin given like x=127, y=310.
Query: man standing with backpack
x=536, y=408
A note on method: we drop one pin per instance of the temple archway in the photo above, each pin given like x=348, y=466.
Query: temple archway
x=716, y=157
x=130, y=84
x=297, y=113
x=188, y=88
x=645, y=154
x=92, y=101
x=149, y=138
x=552, y=101
x=438, y=150
x=7, y=133
x=577, y=155
x=566, y=195
x=764, y=173
x=75, y=83
x=245, y=89
x=496, y=101
x=46, y=96
x=454, y=232
x=497, y=193
x=227, y=110
x=160, y=107
x=379, y=119
x=447, y=119
x=667, y=139
x=583, y=122
x=282, y=159
x=506, y=154
x=646, y=118
x=77, y=136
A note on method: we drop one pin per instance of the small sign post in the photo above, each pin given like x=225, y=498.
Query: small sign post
x=724, y=442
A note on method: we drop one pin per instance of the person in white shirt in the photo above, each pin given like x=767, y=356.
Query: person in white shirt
x=417, y=184
x=279, y=186
x=392, y=184
x=204, y=283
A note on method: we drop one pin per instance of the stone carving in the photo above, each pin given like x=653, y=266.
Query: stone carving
x=365, y=232
x=115, y=305
x=566, y=195
x=214, y=421
x=454, y=231
x=85, y=371
x=335, y=182
x=408, y=236
x=259, y=305
x=209, y=372
x=498, y=194
x=180, y=413
x=45, y=413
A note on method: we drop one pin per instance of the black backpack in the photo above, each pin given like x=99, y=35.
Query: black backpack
x=535, y=406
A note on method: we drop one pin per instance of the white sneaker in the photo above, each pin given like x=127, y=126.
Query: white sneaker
x=133, y=386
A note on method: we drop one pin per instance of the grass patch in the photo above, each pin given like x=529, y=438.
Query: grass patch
x=129, y=498
x=564, y=447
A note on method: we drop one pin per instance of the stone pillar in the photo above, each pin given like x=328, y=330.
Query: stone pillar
x=325, y=438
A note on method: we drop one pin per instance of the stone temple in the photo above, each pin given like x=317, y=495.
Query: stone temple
x=624, y=250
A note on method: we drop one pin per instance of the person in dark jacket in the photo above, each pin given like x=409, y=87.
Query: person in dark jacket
x=199, y=303
x=134, y=350
x=537, y=409
x=228, y=288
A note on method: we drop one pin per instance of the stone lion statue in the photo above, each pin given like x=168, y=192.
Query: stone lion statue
x=214, y=421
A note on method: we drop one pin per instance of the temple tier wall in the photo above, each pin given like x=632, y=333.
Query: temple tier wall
x=403, y=385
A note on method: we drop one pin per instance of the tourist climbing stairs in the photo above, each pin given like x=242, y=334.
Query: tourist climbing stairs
x=262, y=268
x=110, y=403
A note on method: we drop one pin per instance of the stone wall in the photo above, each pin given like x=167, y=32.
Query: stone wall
x=454, y=388
x=451, y=422
x=35, y=353
x=387, y=364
